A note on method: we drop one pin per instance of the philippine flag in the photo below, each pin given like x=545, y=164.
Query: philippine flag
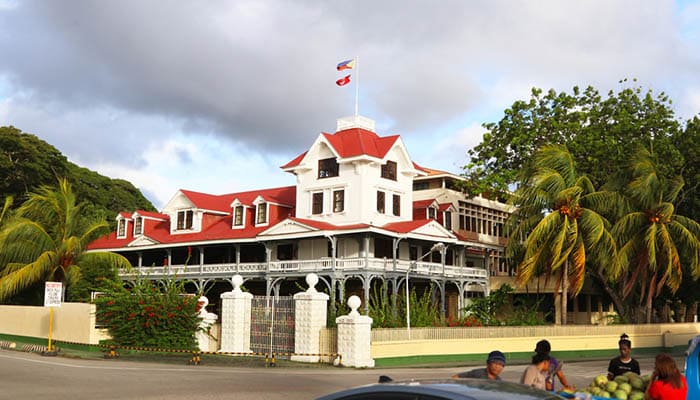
x=343, y=81
x=348, y=64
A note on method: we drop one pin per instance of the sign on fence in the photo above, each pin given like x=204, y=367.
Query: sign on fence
x=52, y=294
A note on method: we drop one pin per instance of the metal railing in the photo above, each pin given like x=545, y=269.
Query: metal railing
x=357, y=264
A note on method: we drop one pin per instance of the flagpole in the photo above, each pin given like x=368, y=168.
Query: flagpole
x=357, y=83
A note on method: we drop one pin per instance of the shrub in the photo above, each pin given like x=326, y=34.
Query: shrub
x=151, y=314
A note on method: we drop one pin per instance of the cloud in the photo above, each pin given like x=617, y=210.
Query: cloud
x=110, y=83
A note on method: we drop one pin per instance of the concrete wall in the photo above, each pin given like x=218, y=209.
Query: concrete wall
x=72, y=322
x=447, y=341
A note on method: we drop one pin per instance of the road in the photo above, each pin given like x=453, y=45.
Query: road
x=32, y=376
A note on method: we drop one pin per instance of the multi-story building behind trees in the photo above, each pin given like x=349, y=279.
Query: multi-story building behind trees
x=361, y=213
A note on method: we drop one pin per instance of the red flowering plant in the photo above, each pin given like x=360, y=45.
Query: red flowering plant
x=155, y=314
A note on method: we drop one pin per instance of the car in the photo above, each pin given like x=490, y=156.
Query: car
x=442, y=389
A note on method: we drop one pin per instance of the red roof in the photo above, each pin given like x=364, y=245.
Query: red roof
x=423, y=203
x=406, y=226
x=354, y=142
x=151, y=214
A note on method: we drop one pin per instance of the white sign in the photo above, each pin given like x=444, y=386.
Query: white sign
x=52, y=294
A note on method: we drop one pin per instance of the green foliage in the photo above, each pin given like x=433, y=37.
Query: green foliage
x=98, y=276
x=496, y=309
x=385, y=312
x=27, y=163
x=151, y=314
x=46, y=241
x=598, y=131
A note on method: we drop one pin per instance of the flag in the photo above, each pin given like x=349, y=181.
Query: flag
x=343, y=81
x=348, y=64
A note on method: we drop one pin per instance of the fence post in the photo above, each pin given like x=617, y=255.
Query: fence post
x=235, y=319
x=354, y=337
x=310, y=315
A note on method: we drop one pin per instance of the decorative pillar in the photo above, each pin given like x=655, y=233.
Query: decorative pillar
x=235, y=319
x=354, y=337
x=208, y=319
x=310, y=314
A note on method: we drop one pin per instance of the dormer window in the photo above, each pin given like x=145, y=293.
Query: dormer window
x=327, y=168
x=389, y=170
x=238, y=215
x=448, y=220
x=431, y=213
x=185, y=220
x=261, y=214
x=138, y=226
x=121, y=228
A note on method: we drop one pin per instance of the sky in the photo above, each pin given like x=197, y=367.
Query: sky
x=214, y=96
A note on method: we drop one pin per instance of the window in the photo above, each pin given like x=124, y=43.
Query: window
x=420, y=186
x=285, y=252
x=138, y=226
x=339, y=201
x=121, y=229
x=238, y=216
x=431, y=213
x=396, y=202
x=389, y=170
x=261, y=214
x=327, y=168
x=317, y=203
x=184, y=219
x=380, y=202
x=448, y=220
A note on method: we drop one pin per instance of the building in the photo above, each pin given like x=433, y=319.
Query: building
x=360, y=213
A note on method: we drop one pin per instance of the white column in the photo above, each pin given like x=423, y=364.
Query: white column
x=354, y=337
x=310, y=314
x=235, y=319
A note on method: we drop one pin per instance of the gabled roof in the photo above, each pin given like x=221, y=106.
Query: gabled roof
x=407, y=226
x=124, y=214
x=151, y=214
x=207, y=201
x=357, y=141
x=423, y=203
x=352, y=143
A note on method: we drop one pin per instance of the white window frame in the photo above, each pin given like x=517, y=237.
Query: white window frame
x=236, y=205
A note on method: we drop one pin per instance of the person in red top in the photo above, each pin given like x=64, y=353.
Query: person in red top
x=667, y=383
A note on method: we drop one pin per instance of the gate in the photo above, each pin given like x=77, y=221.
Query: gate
x=272, y=325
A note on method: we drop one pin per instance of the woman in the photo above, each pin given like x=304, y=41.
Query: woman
x=555, y=366
x=624, y=362
x=667, y=383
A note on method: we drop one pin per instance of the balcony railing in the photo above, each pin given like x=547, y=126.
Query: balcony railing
x=302, y=267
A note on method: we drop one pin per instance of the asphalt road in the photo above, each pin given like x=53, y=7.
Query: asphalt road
x=32, y=376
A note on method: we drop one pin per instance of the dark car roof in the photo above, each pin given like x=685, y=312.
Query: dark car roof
x=464, y=389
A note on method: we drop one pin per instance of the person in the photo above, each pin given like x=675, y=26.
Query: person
x=535, y=374
x=555, y=366
x=624, y=362
x=495, y=362
x=667, y=382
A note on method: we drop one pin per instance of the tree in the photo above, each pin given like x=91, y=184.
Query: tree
x=27, y=163
x=47, y=240
x=598, y=132
x=560, y=231
x=654, y=242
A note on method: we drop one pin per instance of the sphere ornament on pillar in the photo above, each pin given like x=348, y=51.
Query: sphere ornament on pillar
x=354, y=303
x=237, y=281
x=312, y=281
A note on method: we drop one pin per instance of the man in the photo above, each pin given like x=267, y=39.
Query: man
x=495, y=363
x=536, y=374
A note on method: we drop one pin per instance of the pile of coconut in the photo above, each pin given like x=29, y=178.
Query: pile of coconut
x=628, y=386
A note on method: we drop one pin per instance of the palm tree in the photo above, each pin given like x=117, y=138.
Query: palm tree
x=556, y=219
x=46, y=241
x=5, y=209
x=652, y=239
